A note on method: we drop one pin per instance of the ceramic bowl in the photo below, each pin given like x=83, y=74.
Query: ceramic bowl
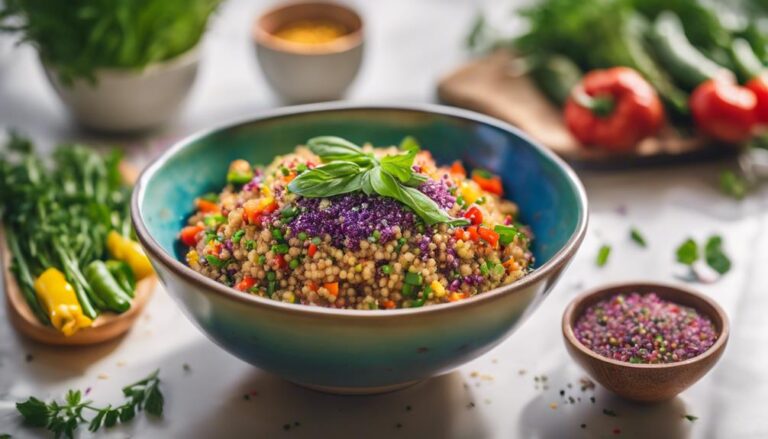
x=355, y=351
x=129, y=100
x=309, y=72
x=646, y=382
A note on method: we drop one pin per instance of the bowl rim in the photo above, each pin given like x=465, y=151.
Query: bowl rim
x=341, y=44
x=591, y=295
x=209, y=286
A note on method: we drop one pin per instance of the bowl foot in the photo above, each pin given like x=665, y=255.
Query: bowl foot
x=358, y=390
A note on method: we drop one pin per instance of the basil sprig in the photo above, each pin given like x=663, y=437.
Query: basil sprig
x=348, y=169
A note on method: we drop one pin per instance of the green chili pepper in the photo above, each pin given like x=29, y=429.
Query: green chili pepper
x=106, y=287
x=123, y=275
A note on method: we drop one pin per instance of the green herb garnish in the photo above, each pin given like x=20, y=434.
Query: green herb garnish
x=688, y=252
x=690, y=417
x=714, y=255
x=733, y=185
x=602, y=255
x=349, y=169
x=637, y=237
x=63, y=418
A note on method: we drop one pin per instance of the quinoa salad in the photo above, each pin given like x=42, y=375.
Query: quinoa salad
x=338, y=225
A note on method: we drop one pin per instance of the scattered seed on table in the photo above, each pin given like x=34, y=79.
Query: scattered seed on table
x=609, y=412
x=553, y=406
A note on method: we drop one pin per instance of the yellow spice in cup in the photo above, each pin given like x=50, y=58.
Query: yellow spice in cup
x=311, y=31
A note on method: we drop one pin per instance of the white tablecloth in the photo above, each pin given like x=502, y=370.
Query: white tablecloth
x=410, y=45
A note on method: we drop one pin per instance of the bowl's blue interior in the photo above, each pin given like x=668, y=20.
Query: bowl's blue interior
x=548, y=200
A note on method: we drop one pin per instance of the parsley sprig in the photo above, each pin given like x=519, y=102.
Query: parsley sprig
x=688, y=253
x=348, y=169
x=62, y=419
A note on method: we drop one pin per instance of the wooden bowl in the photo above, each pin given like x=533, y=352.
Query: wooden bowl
x=646, y=382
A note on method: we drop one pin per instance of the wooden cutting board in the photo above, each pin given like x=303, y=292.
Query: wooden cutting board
x=105, y=327
x=491, y=86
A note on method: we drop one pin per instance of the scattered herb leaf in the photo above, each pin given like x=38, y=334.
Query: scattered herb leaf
x=602, y=255
x=714, y=255
x=733, y=185
x=690, y=417
x=638, y=237
x=688, y=252
x=63, y=418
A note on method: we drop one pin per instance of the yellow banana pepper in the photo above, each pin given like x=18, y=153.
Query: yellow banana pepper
x=131, y=253
x=58, y=299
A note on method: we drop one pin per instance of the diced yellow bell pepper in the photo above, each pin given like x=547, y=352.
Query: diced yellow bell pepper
x=58, y=299
x=130, y=252
x=469, y=191
x=437, y=288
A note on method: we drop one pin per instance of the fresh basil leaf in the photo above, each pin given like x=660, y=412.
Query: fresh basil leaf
x=331, y=149
x=416, y=179
x=688, y=252
x=366, y=185
x=426, y=208
x=328, y=180
x=399, y=165
x=409, y=143
x=714, y=255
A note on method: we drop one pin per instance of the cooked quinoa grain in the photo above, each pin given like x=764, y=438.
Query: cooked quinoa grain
x=354, y=250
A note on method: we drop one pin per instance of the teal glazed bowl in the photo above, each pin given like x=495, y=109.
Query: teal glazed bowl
x=353, y=351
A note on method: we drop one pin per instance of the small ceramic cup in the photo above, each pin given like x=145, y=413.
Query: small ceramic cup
x=309, y=72
x=123, y=100
x=646, y=382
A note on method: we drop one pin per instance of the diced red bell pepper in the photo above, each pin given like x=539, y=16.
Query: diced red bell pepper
x=491, y=184
x=188, y=235
x=458, y=168
x=246, y=284
x=474, y=215
x=312, y=250
x=488, y=236
x=280, y=261
x=473, y=235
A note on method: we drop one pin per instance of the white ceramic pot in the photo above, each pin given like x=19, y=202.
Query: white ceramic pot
x=309, y=72
x=129, y=100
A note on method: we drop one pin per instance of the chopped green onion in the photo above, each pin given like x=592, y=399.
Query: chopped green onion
x=280, y=249
x=413, y=278
x=250, y=244
x=237, y=236
x=316, y=240
x=215, y=261
x=214, y=220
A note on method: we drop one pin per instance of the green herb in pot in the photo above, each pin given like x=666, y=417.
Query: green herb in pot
x=77, y=37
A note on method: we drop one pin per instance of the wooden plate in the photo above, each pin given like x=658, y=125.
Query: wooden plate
x=107, y=325
x=488, y=85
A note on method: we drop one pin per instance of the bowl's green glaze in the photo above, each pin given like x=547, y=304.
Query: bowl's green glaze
x=360, y=351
